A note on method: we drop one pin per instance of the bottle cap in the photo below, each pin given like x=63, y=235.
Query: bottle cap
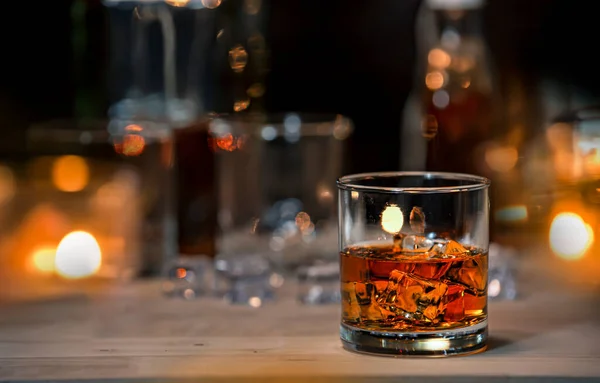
x=455, y=4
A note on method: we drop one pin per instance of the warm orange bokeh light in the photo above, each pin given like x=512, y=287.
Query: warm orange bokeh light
x=70, y=173
x=131, y=145
x=181, y=273
x=43, y=259
x=256, y=90
x=238, y=58
x=438, y=58
x=177, y=3
x=303, y=221
x=501, y=158
x=241, y=105
x=226, y=142
x=434, y=80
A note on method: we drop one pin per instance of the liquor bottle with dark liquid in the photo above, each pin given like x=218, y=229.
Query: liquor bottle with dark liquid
x=162, y=55
x=457, y=99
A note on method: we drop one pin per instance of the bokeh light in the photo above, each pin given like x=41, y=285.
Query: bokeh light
x=43, y=259
x=70, y=173
x=570, y=236
x=78, y=255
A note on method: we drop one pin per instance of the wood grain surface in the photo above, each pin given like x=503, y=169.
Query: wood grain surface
x=134, y=334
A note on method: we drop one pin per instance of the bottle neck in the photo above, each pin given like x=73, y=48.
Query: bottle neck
x=461, y=22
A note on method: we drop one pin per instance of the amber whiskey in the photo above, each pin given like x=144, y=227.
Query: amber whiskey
x=389, y=288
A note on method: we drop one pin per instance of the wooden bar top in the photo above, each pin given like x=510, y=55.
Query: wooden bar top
x=133, y=333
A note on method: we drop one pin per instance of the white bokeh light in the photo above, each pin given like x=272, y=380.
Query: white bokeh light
x=78, y=256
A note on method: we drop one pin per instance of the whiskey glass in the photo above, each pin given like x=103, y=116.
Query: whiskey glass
x=414, y=263
x=276, y=204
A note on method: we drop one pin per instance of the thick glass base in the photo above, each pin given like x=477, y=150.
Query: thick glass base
x=462, y=341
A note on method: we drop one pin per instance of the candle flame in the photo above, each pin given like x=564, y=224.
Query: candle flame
x=78, y=256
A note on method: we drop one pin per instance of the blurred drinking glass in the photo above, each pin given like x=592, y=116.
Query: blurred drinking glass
x=86, y=205
x=276, y=177
x=176, y=63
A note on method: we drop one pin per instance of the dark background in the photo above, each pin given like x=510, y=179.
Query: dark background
x=354, y=58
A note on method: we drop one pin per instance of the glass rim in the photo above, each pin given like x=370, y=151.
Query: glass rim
x=307, y=124
x=278, y=118
x=352, y=182
x=87, y=132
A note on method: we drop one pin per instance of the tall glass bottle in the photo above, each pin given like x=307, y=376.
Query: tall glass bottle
x=455, y=90
x=458, y=96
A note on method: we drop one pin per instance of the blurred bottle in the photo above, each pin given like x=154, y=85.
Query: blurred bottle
x=224, y=75
x=180, y=63
x=161, y=73
x=457, y=95
x=456, y=120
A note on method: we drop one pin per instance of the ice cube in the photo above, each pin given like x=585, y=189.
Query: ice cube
x=412, y=243
x=455, y=303
x=417, y=220
x=416, y=243
x=447, y=249
x=350, y=307
x=380, y=287
x=454, y=248
x=364, y=293
x=472, y=274
x=413, y=297
x=359, y=303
